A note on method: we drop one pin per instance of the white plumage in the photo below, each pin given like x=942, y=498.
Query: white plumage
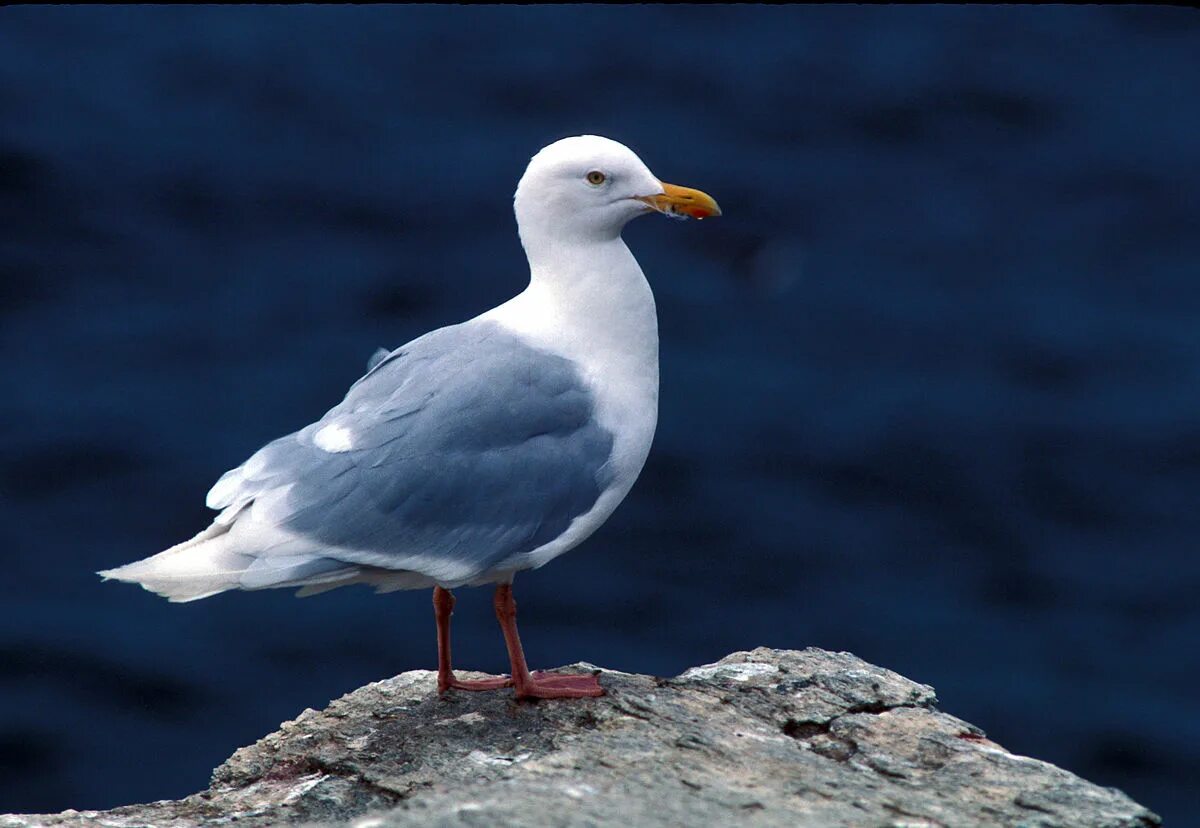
x=477, y=450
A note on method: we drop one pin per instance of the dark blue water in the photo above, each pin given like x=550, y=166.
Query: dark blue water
x=931, y=388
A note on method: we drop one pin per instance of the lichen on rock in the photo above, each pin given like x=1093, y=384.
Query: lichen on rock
x=809, y=739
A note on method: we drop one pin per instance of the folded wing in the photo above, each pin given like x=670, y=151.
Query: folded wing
x=452, y=454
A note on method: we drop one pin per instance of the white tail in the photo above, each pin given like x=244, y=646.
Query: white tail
x=188, y=571
x=212, y=562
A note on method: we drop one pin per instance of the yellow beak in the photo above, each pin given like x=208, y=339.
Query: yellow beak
x=683, y=201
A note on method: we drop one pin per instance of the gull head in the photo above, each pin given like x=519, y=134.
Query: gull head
x=587, y=188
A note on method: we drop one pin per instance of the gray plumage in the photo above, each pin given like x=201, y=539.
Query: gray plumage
x=451, y=455
x=379, y=356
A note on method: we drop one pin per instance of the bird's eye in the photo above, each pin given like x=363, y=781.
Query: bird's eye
x=596, y=178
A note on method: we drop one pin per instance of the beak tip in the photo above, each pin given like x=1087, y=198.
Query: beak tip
x=683, y=201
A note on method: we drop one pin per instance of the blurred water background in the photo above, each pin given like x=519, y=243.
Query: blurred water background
x=931, y=387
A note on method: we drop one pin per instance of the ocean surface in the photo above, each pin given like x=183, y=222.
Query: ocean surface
x=930, y=387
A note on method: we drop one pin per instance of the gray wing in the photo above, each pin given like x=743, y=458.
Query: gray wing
x=464, y=447
x=379, y=356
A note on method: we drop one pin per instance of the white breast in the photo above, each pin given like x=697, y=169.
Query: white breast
x=601, y=316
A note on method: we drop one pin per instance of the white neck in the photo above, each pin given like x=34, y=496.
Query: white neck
x=589, y=302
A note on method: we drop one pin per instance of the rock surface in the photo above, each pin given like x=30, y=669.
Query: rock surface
x=768, y=737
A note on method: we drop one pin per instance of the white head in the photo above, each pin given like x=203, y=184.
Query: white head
x=587, y=188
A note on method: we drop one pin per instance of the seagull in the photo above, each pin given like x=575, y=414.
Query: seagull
x=478, y=450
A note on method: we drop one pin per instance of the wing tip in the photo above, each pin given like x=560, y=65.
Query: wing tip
x=379, y=356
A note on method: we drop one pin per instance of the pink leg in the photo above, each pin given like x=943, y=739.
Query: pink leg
x=443, y=608
x=536, y=685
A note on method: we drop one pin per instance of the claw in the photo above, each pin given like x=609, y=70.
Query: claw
x=542, y=685
x=473, y=684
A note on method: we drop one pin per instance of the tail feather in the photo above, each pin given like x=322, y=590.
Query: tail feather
x=188, y=571
x=209, y=564
x=296, y=570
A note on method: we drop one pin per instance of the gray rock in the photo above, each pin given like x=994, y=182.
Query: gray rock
x=768, y=737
